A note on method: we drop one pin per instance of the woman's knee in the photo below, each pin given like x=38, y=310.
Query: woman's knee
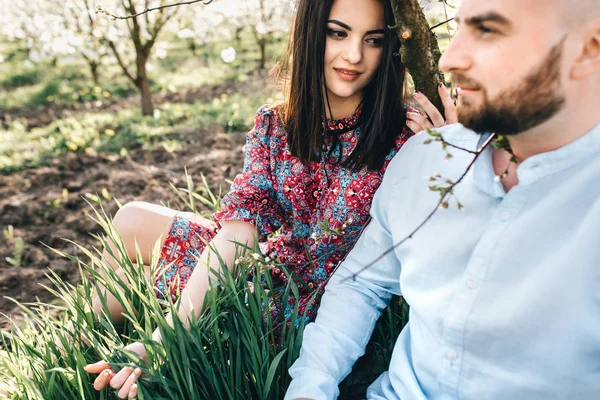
x=141, y=224
x=129, y=217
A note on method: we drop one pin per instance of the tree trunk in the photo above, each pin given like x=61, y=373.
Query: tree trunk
x=420, y=50
x=192, y=46
x=95, y=73
x=143, y=85
x=262, y=44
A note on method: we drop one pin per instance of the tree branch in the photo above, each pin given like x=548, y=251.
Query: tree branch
x=121, y=63
x=183, y=3
x=441, y=23
x=432, y=213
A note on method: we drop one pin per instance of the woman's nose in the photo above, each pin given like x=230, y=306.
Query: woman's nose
x=353, y=53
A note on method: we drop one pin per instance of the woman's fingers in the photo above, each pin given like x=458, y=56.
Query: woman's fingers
x=103, y=380
x=203, y=222
x=119, y=379
x=105, y=371
x=449, y=106
x=133, y=392
x=416, y=128
x=419, y=120
x=413, y=126
x=96, y=368
x=125, y=390
x=433, y=113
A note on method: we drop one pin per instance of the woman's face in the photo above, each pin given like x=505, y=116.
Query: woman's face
x=353, y=48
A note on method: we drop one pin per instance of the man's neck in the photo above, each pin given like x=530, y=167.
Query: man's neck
x=564, y=128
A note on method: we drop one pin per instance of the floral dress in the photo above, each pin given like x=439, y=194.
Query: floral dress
x=316, y=212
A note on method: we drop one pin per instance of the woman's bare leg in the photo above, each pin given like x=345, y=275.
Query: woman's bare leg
x=139, y=224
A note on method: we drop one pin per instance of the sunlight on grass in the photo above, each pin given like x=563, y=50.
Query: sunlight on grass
x=109, y=132
x=235, y=350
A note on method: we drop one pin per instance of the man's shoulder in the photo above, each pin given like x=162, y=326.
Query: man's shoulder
x=454, y=133
x=425, y=145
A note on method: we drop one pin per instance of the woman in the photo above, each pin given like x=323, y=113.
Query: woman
x=312, y=165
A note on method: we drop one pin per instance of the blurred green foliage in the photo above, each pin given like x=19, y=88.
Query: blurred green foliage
x=110, y=132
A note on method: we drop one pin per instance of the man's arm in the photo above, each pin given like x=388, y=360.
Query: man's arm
x=351, y=305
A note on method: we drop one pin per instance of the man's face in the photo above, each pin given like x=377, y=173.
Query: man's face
x=506, y=62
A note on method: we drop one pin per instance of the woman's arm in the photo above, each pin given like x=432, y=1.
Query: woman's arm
x=225, y=243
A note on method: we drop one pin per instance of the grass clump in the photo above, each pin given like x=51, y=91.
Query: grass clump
x=234, y=350
x=23, y=78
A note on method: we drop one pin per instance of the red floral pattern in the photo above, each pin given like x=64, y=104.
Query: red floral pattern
x=306, y=205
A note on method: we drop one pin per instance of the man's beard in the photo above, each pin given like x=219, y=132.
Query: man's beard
x=529, y=103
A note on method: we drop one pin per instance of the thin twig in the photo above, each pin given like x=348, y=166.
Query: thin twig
x=441, y=23
x=183, y=3
x=458, y=147
x=431, y=214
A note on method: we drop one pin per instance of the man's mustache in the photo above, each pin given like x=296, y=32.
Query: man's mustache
x=464, y=81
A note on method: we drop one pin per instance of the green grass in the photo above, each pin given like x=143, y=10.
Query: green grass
x=228, y=353
x=110, y=132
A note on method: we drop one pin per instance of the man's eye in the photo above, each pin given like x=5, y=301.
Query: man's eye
x=336, y=34
x=484, y=30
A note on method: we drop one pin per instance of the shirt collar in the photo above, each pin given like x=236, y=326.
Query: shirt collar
x=538, y=166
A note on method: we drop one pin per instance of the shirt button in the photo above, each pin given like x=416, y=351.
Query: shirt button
x=471, y=283
x=452, y=355
x=506, y=215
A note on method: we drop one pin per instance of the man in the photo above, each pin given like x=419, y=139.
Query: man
x=505, y=293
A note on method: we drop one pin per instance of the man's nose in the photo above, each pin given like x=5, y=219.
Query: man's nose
x=456, y=56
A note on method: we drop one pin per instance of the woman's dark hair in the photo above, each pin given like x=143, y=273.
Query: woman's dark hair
x=304, y=110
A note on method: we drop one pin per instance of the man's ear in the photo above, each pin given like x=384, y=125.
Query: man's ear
x=588, y=61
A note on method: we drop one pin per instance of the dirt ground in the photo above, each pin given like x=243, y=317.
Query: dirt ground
x=32, y=202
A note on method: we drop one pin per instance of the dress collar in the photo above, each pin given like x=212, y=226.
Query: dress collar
x=343, y=125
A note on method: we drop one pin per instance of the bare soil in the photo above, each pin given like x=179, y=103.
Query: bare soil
x=32, y=202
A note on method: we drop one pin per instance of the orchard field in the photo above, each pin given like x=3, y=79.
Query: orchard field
x=67, y=140
x=97, y=111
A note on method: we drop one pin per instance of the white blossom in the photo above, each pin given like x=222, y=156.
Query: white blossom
x=228, y=55
x=428, y=4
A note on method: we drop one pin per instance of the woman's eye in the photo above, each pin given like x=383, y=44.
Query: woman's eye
x=375, y=41
x=336, y=34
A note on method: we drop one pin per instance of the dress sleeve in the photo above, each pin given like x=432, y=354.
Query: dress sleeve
x=252, y=195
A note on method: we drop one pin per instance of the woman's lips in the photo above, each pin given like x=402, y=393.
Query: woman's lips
x=347, y=75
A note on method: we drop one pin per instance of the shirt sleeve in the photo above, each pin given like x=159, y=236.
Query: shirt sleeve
x=351, y=305
x=252, y=195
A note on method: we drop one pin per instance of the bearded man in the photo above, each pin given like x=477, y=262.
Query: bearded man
x=503, y=280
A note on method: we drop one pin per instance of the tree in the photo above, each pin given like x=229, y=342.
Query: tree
x=55, y=30
x=420, y=49
x=266, y=18
x=227, y=19
x=141, y=31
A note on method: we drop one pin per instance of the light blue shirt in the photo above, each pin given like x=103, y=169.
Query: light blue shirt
x=504, y=295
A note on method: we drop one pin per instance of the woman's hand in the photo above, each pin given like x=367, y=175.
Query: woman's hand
x=124, y=381
x=203, y=222
x=417, y=122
